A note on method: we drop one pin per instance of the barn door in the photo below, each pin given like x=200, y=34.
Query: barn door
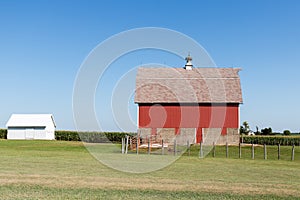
x=29, y=133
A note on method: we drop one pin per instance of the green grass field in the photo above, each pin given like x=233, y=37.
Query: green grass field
x=66, y=170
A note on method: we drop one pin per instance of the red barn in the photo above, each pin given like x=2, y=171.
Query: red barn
x=173, y=100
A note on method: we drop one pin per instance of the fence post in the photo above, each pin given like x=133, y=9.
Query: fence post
x=214, y=149
x=122, y=146
x=293, y=152
x=265, y=151
x=126, y=148
x=149, y=149
x=130, y=143
x=240, y=151
x=137, y=144
x=278, y=151
x=201, y=151
x=175, y=146
x=188, y=147
x=162, y=147
x=226, y=149
x=252, y=154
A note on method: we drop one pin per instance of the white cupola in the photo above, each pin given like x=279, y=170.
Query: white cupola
x=188, y=65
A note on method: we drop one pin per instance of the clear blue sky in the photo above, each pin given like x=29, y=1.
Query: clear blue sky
x=43, y=43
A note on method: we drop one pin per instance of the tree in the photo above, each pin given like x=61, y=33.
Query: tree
x=286, y=132
x=257, y=131
x=245, y=129
x=266, y=131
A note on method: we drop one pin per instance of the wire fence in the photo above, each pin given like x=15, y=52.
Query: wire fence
x=240, y=151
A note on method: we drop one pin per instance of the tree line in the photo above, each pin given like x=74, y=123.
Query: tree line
x=245, y=130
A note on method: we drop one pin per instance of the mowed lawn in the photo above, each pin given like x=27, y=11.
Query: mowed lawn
x=66, y=170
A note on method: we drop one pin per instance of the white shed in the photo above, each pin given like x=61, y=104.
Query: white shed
x=31, y=126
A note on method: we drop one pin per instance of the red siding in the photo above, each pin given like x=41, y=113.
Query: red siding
x=189, y=116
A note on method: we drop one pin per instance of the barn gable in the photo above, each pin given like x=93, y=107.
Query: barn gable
x=173, y=100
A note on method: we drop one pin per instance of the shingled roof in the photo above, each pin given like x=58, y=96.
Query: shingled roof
x=178, y=85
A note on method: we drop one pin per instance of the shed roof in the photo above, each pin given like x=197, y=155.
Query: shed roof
x=178, y=85
x=31, y=120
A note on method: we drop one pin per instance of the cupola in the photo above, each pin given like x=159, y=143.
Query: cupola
x=188, y=65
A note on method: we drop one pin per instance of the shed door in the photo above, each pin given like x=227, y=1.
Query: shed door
x=29, y=133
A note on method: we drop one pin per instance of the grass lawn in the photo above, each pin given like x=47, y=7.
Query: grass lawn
x=66, y=170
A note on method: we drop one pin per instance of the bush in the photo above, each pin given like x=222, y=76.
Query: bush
x=67, y=135
x=3, y=134
x=91, y=137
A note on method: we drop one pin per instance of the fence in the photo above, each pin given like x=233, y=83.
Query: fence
x=257, y=152
x=241, y=151
x=252, y=147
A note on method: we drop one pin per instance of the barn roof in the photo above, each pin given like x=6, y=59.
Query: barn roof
x=178, y=85
x=30, y=120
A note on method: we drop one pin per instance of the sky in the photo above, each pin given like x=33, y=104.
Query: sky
x=44, y=43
